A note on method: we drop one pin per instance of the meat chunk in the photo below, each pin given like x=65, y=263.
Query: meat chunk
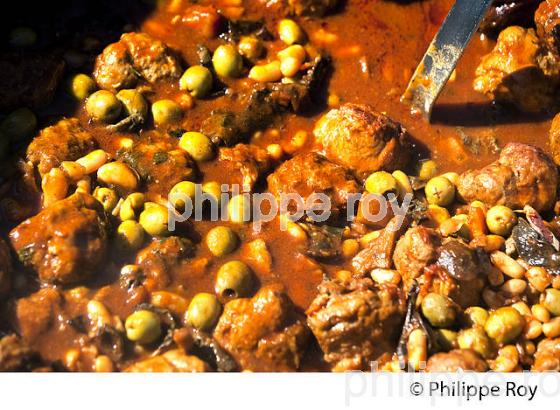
x=263, y=333
x=264, y=103
x=456, y=360
x=15, y=355
x=547, y=356
x=158, y=163
x=65, y=242
x=37, y=313
x=28, y=80
x=379, y=251
x=5, y=267
x=136, y=56
x=517, y=72
x=158, y=259
x=554, y=139
x=547, y=19
x=415, y=250
x=202, y=19
x=172, y=361
x=67, y=140
x=247, y=160
x=458, y=273
x=523, y=175
x=362, y=139
x=311, y=173
x=257, y=255
x=355, y=322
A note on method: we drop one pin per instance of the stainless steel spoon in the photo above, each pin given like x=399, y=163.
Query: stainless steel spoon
x=443, y=54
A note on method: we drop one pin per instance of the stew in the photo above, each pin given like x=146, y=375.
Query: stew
x=124, y=126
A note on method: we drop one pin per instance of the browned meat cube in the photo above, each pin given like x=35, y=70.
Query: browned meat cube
x=523, y=175
x=455, y=360
x=16, y=356
x=247, y=160
x=458, y=273
x=362, y=139
x=516, y=72
x=158, y=259
x=28, y=80
x=379, y=251
x=547, y=19
x=65, y=242
x=172, y=361
x=5, y=267
x=158, y=162
x=554, y=138
x=547, y=356
x=310, y=173
x=355, y=322
x=264, y=102
x=452, y=269
x=37, y=313
x=202, y=19
x=415, y=250
x=64, y=141
x=134, y=57
x=263, y=333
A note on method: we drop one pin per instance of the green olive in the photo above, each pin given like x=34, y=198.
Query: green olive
x=221, y=240
x=22, y=37
x=197, y=80
x=133, y=103
x=290, y=32
x=475, y=315
x=143, y=326
x=212, y=188
x=108, y=198
x=440, y=191
x=428, y=170
x=476, y=339
x=131, y=206
x=446, y=338
x=19, y=124
x=250, y=47
x=130, y=235
x=500, y=220
x=239, y=209
x=504, y=325
x=234, y=280
x=198, y=145
x=439, y=310
x=181, y=192
x=81, y=86
x=551, y=301
x=126, y=211
x=380, y=183
x=166, y=112
x=452, y=177
x=204, y=311
x=103, y=106
x=227, y=61
x=154, y=219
